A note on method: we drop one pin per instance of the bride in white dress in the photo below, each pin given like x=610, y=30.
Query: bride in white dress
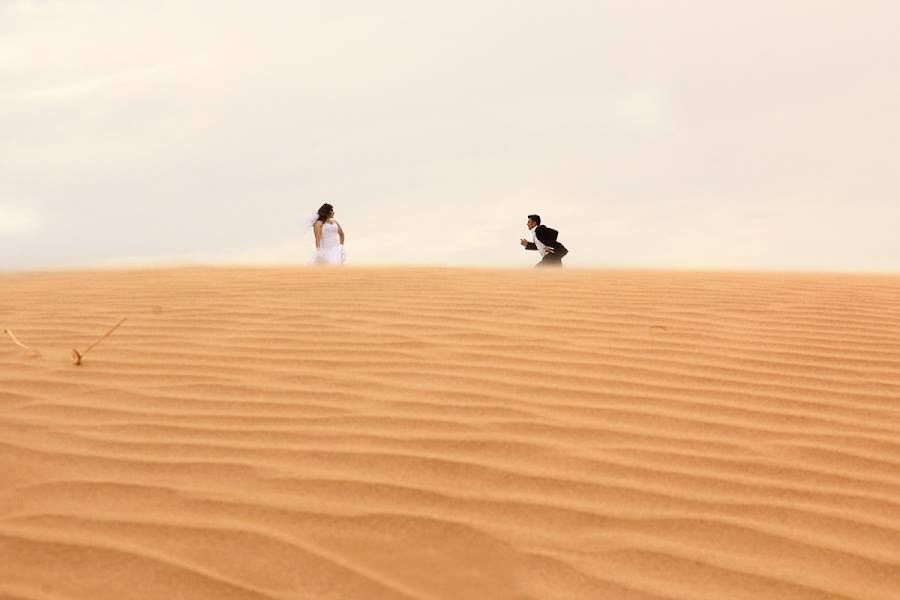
x=329, y=238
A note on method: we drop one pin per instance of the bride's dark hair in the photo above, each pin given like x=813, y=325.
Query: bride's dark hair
x=325, y=212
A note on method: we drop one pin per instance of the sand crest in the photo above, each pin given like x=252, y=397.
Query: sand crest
x=450, y=433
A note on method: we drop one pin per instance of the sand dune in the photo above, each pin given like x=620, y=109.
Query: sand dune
x=442, y=433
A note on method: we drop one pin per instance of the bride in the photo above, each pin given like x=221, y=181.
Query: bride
x=329, y=238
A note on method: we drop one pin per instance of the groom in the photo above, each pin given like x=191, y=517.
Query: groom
x=552, y=252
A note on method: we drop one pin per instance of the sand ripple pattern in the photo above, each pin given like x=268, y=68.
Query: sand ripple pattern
x=441, y=433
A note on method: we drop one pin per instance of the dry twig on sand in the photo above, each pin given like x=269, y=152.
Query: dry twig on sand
x=31, y=352
x=78, y=356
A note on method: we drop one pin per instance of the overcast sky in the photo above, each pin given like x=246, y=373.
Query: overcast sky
x=701, y=133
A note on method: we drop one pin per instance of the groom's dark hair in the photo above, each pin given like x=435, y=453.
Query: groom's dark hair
x=535, y=218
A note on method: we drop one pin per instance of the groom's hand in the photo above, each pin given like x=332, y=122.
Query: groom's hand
x=524, y=242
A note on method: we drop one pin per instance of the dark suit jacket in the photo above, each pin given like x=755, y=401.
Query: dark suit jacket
x=547, y=237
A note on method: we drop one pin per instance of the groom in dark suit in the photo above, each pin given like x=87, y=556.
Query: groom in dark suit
x=552, y=252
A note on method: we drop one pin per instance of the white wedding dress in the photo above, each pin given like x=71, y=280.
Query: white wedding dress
x=330, y=250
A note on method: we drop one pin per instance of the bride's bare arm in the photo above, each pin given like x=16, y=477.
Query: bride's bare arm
x=317, y=228
x=341, y=233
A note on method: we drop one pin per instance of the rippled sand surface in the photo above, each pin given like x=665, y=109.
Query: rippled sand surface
x=444, y=433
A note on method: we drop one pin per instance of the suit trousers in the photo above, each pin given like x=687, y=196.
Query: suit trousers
x=553, y=259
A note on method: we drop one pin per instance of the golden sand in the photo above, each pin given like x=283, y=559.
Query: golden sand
x=442, y=433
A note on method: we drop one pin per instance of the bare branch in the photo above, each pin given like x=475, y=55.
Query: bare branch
x=30, y=352
x=78, y=356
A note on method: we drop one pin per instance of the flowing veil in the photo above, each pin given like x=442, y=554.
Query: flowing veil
x=308, y=222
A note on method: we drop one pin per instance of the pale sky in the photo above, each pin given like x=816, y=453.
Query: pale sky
x=754, y=134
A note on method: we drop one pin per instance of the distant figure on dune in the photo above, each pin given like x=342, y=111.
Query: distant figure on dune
x=329, y=238
x=544, y=241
